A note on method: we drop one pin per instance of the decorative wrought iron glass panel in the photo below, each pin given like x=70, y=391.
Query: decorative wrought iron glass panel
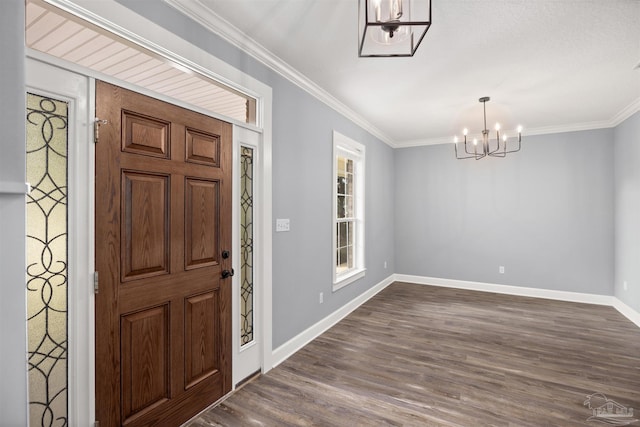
x=47, y=260
x=246, y=246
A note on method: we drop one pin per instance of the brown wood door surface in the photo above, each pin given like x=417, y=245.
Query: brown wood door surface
x=163, y=220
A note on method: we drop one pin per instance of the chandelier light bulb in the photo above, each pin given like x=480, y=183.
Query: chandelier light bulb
x=465, y=131
x=455, y=139
x=519, y=129
x=376, y=5
x=475, y=141
x=504, y=138
x=497, y=126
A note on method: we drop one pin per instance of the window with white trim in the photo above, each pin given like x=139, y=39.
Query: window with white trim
x=348, y=210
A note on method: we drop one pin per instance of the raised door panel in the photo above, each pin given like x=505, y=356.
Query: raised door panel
x=145, y=135
x=202, y=147
x=145, y=361
x=201, y=337
x=145, y=225
x=201, y=223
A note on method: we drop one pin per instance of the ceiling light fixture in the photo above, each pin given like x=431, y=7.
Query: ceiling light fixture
x=479, y=149
x=392, y=27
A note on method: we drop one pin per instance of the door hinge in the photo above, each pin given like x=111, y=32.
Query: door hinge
x=96, y=128
x=96, y=283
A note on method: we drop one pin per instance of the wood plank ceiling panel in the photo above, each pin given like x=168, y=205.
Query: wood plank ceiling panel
x=129, y=73
x=97, y=56
x=41, y=27
x=181, y=83
x=66, y=30
x=85, y=50
x=119, y=58
x=63, y=48
x=120, y=68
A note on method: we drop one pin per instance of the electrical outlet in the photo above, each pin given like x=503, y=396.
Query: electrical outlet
x=501, y=269
x=625, y=286
x=321, y=297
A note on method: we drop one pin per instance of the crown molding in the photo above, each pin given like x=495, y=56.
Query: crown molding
x=200, y=13
x=626, y=112
x=620, y=117
x=195, y=10
x=423, y=142
x=576, y=127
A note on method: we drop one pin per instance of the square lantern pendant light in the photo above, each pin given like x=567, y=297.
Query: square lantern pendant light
x=392, y=27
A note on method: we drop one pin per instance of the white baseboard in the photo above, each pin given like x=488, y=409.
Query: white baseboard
x=609, y=300
x=507, y=289
x=627, y=311
x=287, y=349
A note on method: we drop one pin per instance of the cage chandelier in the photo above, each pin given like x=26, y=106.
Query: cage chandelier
x=392, y=27
x=479, y=149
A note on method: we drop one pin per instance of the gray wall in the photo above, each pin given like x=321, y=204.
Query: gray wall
x=302, y=187
x=302, y=191
x=627, y=209
x=13, y=346
x=545, y=214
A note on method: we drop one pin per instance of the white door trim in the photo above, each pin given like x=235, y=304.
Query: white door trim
x=123, y=22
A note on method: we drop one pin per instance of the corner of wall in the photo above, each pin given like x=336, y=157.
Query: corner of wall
x=626, y=142
x=626, y=311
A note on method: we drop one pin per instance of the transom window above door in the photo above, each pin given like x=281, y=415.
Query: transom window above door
x=60, y=34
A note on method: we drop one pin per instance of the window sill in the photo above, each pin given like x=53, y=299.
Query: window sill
x=346, y=279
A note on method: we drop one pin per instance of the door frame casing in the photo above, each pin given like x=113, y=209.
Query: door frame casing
x=123, y=22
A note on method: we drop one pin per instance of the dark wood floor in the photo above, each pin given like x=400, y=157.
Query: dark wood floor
x=419, y=355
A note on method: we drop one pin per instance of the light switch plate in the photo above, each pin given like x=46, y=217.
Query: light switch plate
x=282, y=225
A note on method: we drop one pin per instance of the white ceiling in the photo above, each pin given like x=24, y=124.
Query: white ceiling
x=550, y=65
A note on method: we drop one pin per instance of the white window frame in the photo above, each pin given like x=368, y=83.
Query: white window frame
x=347, y=147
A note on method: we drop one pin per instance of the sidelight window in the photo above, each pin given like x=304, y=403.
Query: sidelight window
x=47, y=259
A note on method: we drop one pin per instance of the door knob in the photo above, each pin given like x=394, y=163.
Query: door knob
x=227, y=273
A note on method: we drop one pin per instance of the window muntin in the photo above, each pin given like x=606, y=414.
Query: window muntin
x=348, y=213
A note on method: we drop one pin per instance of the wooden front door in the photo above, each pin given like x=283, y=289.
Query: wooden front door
x=163, y=243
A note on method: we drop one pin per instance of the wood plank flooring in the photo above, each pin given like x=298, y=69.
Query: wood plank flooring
x=419, y=355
